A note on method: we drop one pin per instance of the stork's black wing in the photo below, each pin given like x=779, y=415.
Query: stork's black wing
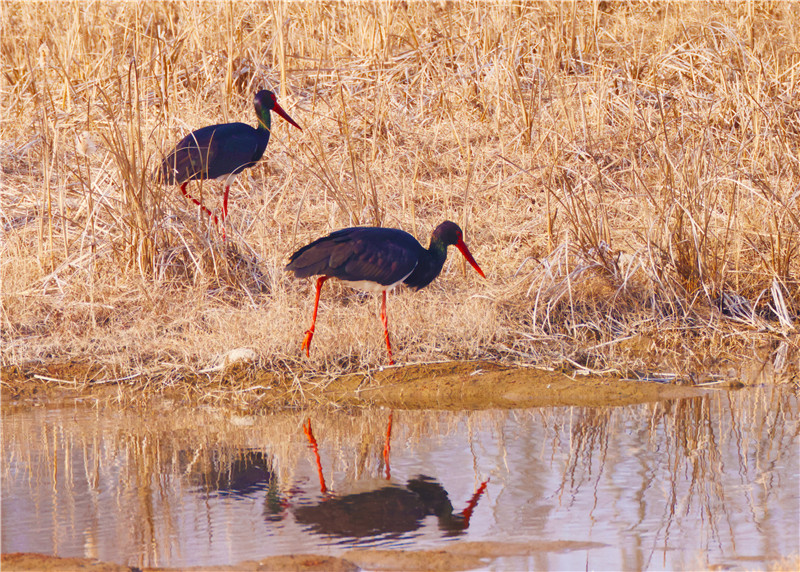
x=212, y=152
x=381, y=255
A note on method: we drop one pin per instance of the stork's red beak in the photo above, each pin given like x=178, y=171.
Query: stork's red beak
x=468, y=255
x=279, y=110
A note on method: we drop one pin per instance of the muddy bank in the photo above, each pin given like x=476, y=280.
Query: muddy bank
x=483, y=385
x=449, y=385
x=462, y=556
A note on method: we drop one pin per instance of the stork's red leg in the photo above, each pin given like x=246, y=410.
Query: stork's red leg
x=387, y=447
x=314, y=447
x=183, y=190
x=225, y=202
x=225, y=208
x=310, y=332
x=198, y=203
x=385, y=320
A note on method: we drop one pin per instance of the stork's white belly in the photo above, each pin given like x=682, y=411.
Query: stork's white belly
x=368, y=286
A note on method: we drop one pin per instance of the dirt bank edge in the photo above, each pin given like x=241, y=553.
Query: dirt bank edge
x=462, y=385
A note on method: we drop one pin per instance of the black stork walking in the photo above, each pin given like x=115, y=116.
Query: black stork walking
x=376, y=259
x=222, y=150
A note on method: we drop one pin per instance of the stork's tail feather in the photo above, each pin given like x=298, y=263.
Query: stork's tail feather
x=165, y=174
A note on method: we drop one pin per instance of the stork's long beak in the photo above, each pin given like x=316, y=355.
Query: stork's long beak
x=468, y=255
x=279, y=110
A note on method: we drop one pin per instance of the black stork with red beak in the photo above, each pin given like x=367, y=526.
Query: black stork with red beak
x=376, y=259
x=222, y=150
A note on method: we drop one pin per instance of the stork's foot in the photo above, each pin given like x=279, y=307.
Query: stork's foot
x=307, y=342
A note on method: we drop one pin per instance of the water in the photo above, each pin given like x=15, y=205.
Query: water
x=702, y=482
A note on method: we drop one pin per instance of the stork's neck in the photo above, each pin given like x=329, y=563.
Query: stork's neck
x=264, y=120
x=429, y=265
x=438, y=253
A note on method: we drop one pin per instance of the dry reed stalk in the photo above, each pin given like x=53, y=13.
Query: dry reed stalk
x=616, y=188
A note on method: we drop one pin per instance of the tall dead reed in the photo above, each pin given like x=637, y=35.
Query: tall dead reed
x=623, y=171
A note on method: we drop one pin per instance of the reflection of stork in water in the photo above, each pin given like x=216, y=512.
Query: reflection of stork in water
x=243, y=477
x=392, y=510
x=387, y=448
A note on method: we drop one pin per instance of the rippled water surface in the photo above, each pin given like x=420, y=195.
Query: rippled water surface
x=710, y=481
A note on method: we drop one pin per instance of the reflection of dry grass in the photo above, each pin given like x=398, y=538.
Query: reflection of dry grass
x=785, y=564
x=626, y=173
x=148, y=462
x=689, y=438
x=727, y=465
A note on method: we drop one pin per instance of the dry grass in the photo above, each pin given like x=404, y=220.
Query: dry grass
x=627, y=175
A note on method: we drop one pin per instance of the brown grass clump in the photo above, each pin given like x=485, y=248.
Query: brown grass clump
x=627, y=175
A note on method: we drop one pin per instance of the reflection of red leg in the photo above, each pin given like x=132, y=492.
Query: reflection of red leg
x=473, y=502
x=314, y=447
x=387, y=448
x=385, y=319
x=310, y=332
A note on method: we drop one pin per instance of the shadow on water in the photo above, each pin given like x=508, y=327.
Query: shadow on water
x=700, y=482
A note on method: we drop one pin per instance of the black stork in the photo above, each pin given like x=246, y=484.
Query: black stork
x=222, y=150
x=376, y=259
